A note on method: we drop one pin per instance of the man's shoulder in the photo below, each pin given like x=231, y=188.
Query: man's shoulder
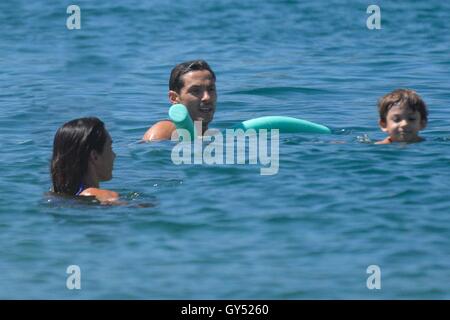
x=162, y=130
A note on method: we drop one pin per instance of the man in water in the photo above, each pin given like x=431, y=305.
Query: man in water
x=193, y=84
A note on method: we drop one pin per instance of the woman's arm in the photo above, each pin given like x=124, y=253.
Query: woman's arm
x=104, y=196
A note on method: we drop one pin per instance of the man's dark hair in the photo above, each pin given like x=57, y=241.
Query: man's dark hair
x=176, y=76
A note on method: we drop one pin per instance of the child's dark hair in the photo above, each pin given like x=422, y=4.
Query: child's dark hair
x=176, y=76
x=402, y=97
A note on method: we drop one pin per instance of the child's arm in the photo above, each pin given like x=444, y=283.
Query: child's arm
x=385, y=141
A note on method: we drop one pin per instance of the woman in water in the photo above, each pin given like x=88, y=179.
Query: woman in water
x=82, y=157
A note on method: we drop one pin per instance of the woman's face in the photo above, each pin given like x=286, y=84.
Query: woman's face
x=105, y=161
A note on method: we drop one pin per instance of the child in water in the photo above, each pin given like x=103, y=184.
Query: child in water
x=403, y=114
x=82, y=157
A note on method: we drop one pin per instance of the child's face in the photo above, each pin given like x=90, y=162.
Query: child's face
x=402, y=124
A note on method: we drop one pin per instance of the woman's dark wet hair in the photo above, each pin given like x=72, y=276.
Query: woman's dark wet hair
x=72, y=146
x=176, y=76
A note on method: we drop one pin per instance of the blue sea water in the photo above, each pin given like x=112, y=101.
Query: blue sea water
x=225, y=231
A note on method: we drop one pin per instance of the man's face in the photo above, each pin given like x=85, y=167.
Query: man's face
x=198, y=95
x=402, y=124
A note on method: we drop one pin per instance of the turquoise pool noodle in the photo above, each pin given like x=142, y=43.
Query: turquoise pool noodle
x=284, y=125
x=179, y=115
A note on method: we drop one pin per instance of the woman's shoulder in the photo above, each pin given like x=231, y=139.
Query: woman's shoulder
x=101, y=194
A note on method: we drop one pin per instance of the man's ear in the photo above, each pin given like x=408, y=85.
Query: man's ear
x=382, y=124
x=174, y=97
